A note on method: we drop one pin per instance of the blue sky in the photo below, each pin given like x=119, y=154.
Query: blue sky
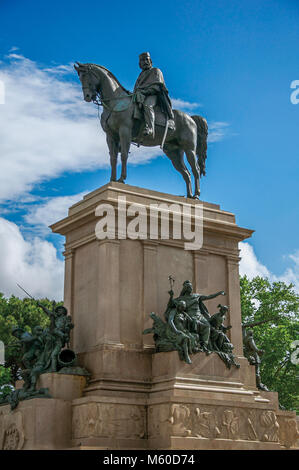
x=231, y=62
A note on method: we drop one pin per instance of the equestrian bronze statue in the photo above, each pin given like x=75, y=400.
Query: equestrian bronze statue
x=145, y=117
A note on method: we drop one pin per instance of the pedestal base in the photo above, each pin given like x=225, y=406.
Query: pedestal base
x=137, y=399
x=172, y=405
x=42, y=423
x=178, y=406
x=39, y=423
x=63, y=386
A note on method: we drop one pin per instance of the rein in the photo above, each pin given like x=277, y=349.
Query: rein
x=100, y=101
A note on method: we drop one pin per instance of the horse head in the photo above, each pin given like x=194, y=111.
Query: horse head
x=88, y=80
x=96, y=79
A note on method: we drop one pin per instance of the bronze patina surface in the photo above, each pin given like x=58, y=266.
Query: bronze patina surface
x=124, y=112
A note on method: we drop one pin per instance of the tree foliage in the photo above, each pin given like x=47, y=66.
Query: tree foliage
x=5, y=380
x=260, y=300
x=278, y=303
x=25, y=314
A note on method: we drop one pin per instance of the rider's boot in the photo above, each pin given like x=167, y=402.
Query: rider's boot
x=149, y=115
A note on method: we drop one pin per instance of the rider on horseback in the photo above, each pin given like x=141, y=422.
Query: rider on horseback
x=188, y=133
x=149, y=91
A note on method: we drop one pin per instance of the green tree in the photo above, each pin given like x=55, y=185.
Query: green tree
x=278, y=303
x=5, y=380
x=25, y=314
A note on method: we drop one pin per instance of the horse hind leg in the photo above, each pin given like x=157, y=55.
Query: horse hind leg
x=191, y=157
x=176, y=156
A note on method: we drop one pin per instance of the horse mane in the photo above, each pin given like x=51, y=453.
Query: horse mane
x=111, y=75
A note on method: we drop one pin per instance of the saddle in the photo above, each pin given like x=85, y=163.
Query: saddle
x=160, y=118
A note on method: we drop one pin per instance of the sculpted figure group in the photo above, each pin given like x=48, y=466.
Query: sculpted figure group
x=189, y=328
x=43, y=351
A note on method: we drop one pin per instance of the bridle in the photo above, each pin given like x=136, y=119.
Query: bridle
x=98, y=100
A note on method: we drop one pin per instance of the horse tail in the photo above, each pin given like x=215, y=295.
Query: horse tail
x=202, y=142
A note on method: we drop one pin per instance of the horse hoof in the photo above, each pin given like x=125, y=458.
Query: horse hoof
x=121, y=180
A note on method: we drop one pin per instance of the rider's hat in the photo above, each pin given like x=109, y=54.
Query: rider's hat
x=143, y=54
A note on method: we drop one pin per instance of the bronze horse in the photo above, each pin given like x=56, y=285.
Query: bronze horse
x=189, y=136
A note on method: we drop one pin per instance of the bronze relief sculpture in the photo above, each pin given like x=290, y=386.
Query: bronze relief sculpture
x=43, y=351
x=189, y=328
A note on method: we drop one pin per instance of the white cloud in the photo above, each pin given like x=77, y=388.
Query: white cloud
x=46, y=128
x=177, y=103
x=2, y=93
x=252, y=267
x=217, y=130
x=41, y=215
x=32, y=264
x=291, y=275
x=249, y=263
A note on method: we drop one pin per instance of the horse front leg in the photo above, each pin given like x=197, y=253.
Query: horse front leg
x=113, y=145
x=125, y=142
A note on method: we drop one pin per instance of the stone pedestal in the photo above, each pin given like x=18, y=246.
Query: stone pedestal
x=42, y=423
x=137, y=399
x=112, y=285
x=63, y=386
x=37, y=424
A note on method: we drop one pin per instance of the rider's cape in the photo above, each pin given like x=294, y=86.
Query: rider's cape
x=153, y=78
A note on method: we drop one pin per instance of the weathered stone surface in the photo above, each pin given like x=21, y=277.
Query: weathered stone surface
x=288, y=429
x=137, y=399
x=11, y=430
x=36, y=424
x=108, y=420
x=130, y=277
x=213, y=422
x=64, y=386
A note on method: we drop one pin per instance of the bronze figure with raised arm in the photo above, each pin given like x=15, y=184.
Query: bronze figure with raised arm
x=197, y=310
